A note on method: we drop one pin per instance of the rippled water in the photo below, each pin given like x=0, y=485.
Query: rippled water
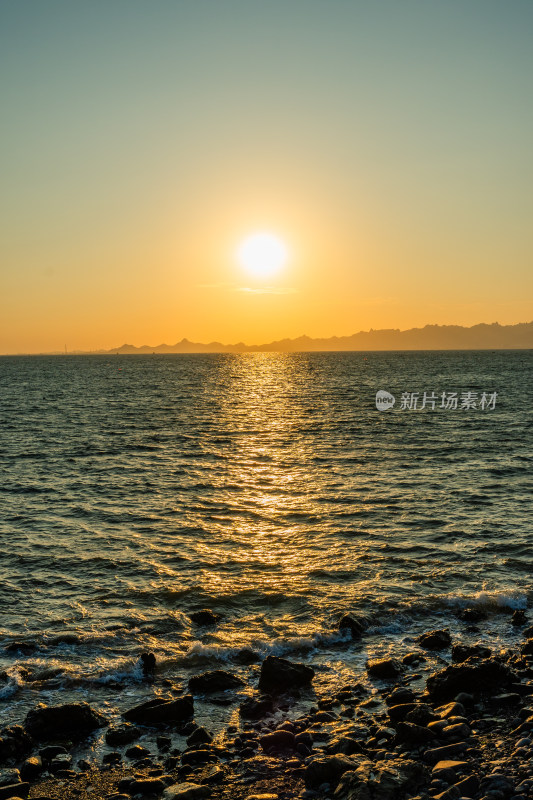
x=267, y=487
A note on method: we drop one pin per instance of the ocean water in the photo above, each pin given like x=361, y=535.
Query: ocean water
x=266, y=487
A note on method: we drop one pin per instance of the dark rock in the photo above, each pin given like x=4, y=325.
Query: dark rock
x=147, y=786
x=9, y=776
x=74, y=720
x=472, y=615
x=245, y=656
x=14, y=743
x=215, y=681
x=148, y=664
x=278, y=740
x=460, y=652
x=384, y=780
x=204, y=617
x=31, y=768
x=280, y=675
x=527, y=648
x=160, y=710
x=355, y=627
x=253, y=708
x=199, y=756
x=123, y=734
x=484, y=676
x=24, y=648
x=413, y=658
x=506, y=699
x=399, y=712
x=384, y=668
x=435, y=640
x=199, y=736
x=137, y=752
x=400, y=696
x=414, y=734
x=519, y=618
x=163, y=742
x=53, y=750
x=14, y=790
x=60, y=762
x=528, y=633
x=446, y=751
x=111, y=758
x=468, y=787
x=327, y=770
x=421, y=714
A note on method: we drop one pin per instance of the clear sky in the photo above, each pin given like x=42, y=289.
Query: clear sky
x=388, y=144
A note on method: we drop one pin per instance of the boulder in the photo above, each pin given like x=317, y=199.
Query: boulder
x=383, y=780
x=400, y=696
x=278, y=740
x=147, y=786
x=73, y=720
x=353, y=625
x=527, y=648
x=483, y=676
x=399, y=712
x=519, y=618
x=253, y=708
x=280, y=675
x=204, y=617
x=435, y=640
x=199, y=736
x=14, y=743
x=460, y=652
x=472, y=614
x=9, y=776
x=384, y=668
x=186, y=791
x=215, y=681
x=327, y=770
x=31, y=768
x=123, y=734
x=161, y=710
x=413, y=734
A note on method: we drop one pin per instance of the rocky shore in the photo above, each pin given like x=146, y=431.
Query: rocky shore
x=467, y=734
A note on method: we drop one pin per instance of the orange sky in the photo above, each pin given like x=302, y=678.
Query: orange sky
x=388, y=147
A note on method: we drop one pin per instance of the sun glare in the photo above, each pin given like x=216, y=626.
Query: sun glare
x=262, y=254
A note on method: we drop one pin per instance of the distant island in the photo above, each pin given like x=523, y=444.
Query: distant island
x=430, y=337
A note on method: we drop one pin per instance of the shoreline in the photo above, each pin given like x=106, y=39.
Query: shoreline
x=475, y=712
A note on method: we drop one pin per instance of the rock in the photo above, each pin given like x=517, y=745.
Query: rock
x=199, y=736
x=483, y=676
x=123, y=734
x=449, y=794
x=9, y=776
x=262, y=797
x=245, y=656
x=355, y=627
x=413, y=658
x=460, y=730
x=460, y=652
x=327, y=770
x=468, y=787
x=506, y=699
x=278, y=740
x=14, y=743
x=60, y=762
x=447, y=769
x=472, y=614
x=383, y=780
x=399, y=712
x=280, y=675
x=384, y=668
x=400, y=696
x=146, y=786
x=446, y=751
x=519, y=618
x=31, y=768
x=414, y=734
x=161, y=710
x=148, y=664
x=53, y=750
x=137, y=752
x=204, y=617
x=527, y=648
x=451, y=710
x=199, y=755
x=435, y=640
x=215, y=681
x=186, y=791
x=15, y=790
x=74, y=720
x=528, y=633
x=421, y=714
x=256, y=708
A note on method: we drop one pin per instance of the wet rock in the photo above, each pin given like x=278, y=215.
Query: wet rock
x=421, y=714
x=413, y=658
x=278, y=740
x=123, y=734
x=74, y=720
x=435, y=640
x=161, y=710
x=280, y=675
x=245, y=656
x=353, y=625
x=204, y=617
x=15, y=790
x=384, y=780
x=50, y=752
x=413, y=734
x=528, y=633
x=327, y=770
x=472, y=614
x=31, y=768
x=527, y=648
x=460, y=652
x=198, y=756
x=447, y=769
x=446, y=751
x=148, y=664
x=24, y=648
x=399, y=712
x=384, y=668
x=400, y=696
x=483, y=676
x=199, y=736
x=468, y=787
x=186, y=791
x=8, y=776
x=215, y=681
x=519, y=618
x=63, y=761
x=253, y=708
x=450, y=710
x=506, y=699
x=146, y=786
x=460, y=730
x=14, y=743
x=137, y=752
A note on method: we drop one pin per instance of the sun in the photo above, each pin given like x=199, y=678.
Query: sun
x=262, y=254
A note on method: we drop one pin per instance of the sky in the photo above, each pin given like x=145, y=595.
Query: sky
x=386, y=144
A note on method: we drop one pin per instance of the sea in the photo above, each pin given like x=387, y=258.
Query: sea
x=268, y=488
